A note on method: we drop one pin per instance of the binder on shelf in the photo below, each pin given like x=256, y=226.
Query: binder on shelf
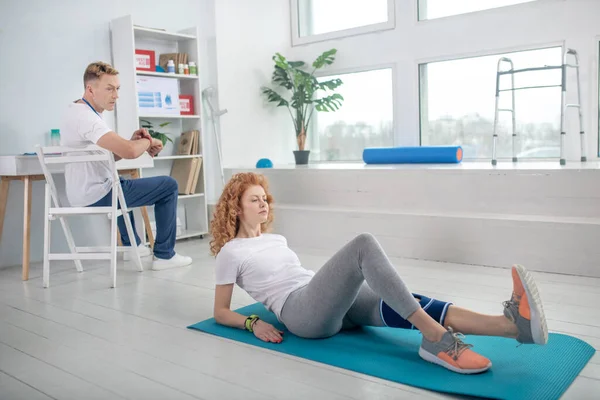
x=199, y=162
x=187, y=171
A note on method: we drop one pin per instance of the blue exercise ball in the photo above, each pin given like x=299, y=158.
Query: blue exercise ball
x=264, y=163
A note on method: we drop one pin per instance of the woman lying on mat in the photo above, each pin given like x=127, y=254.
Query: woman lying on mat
x=358, y=286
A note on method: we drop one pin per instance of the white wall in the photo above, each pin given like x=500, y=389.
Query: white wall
x=45, y=47
x=249, y=34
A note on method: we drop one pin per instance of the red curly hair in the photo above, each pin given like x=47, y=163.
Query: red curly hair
x=225, y=223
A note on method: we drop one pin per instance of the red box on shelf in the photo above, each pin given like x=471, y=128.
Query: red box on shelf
x=145, y=60
x=186, y=104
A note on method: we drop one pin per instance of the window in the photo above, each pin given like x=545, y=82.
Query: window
x=430, y=9
x=364, y=120
x=457, y=100
x=315, y=20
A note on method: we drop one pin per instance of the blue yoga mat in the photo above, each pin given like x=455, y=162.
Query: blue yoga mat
x=413, y=155
x=524, y=372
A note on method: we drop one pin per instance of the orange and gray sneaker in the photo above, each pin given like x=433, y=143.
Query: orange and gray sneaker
x=525, y=308
x=452, y=353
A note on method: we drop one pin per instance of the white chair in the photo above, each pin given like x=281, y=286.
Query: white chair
x=62, y=155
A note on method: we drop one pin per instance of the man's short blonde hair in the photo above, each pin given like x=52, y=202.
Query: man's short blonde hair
x=95, y=71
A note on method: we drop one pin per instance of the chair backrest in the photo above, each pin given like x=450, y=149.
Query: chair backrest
x=53, y=155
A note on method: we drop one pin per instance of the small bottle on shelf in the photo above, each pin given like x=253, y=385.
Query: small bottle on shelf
x=171, y=67
x=193, y=70
x=186, y=69
x=55, y=137
x=180, y=69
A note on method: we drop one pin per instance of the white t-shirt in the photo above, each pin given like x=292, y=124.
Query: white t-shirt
x=86, y=182
x=264, y=266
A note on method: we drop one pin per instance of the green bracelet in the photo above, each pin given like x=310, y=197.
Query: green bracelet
x=249, y=321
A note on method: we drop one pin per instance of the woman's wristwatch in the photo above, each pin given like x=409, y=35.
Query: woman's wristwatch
x=249, y=324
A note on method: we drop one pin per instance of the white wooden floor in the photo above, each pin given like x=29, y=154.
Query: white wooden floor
x=80, y=339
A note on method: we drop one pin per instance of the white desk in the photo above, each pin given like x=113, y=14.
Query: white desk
x=28, y=170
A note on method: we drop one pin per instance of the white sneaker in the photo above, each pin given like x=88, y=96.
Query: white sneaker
x=142, y=250
x=176, y=261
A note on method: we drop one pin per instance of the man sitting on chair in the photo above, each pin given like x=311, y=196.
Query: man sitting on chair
x=89, y=184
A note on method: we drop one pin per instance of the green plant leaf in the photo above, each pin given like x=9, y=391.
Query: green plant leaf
x=296, y=64
x=164, y=124
x=274, y=97
x=326, y=58
x=281, y=78
x=281, y=61
x=330, y=84
x=301, y=98
x=329, y=103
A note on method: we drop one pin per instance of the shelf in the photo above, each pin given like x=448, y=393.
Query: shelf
x=150, y=33
x=191, y=196
x=171, y=116
x=177, y=157
x=166, y=75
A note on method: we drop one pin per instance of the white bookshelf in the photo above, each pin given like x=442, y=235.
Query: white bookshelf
x=126, y=37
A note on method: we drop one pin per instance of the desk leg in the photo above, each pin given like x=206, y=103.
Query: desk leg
x=3, y=200
x=26, y=225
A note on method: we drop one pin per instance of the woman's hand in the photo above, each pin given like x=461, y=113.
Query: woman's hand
x=267, y=332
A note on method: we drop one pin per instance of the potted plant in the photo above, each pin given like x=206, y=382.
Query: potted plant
x=303, y=86
x=163, y=137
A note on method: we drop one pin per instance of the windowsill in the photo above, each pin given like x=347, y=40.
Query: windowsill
x=526, y=165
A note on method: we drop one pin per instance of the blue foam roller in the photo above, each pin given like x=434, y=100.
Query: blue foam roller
x=413, y=155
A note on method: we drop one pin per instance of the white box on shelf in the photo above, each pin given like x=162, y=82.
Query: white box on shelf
x=157, y=96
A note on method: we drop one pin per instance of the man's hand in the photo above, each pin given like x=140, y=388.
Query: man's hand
x=141, y=133
x=156, y=147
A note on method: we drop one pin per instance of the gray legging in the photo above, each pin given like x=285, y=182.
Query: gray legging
x=338, y=298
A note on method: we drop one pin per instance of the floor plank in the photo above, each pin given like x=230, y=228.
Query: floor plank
x=79, y=359
x=14, y=389
x=49, y=379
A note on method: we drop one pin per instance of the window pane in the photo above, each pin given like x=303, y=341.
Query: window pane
x=364, y=120
x=322, y=16
x=430, y=9
x=458, y=102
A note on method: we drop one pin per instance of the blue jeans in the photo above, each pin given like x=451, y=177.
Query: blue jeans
x=159, y=191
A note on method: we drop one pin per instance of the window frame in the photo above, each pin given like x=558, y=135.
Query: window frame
x=359, y=69
x=462, y=56
x=298, y=40
x=595, y=104
x=469, y=13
